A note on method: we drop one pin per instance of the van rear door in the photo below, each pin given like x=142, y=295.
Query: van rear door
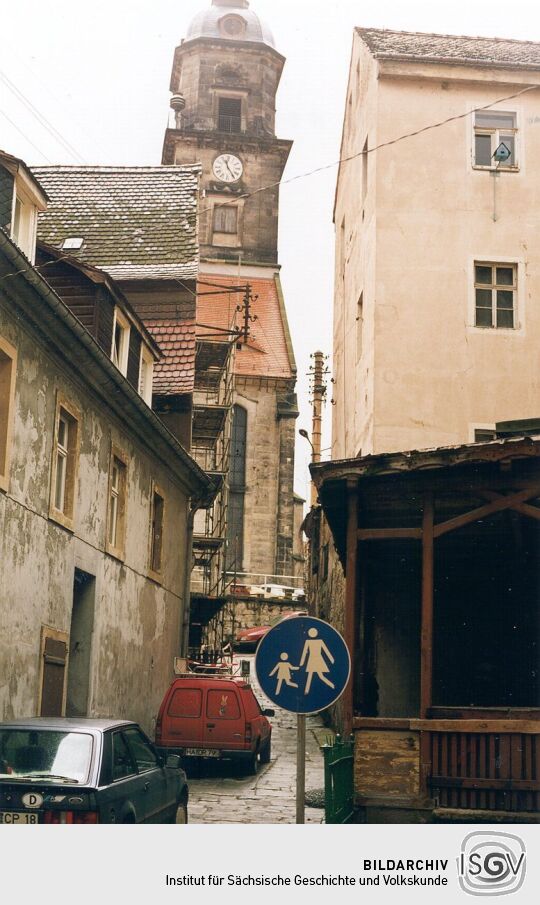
x=183, y=718
x=225, y=722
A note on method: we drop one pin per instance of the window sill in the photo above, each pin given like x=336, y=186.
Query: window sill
x=155, y=576
x=477, y=166
x=120, y=555
x=226, y=240
x=496, y=329
x=61, y=519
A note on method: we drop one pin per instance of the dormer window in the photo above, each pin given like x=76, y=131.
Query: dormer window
x=120, y=341
x=24, y=223
x=146, y=374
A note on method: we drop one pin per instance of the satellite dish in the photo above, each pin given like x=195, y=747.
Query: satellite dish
x=502, y=153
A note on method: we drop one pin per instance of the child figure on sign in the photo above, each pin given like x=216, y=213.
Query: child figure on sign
x=284, y=670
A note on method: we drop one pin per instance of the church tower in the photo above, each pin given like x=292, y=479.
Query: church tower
x=224, y=82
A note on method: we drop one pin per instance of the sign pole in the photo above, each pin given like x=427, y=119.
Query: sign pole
x=300, y=767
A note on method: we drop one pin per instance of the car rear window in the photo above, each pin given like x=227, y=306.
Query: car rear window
x=223, y=705
x=47, y=754
x=185, y=702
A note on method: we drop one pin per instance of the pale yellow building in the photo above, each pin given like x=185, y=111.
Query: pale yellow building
x=437, y=318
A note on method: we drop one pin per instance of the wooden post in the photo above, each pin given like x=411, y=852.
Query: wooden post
x=426, y=640
x=350, y=600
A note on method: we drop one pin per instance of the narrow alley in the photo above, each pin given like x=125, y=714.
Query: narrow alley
x=222, y=794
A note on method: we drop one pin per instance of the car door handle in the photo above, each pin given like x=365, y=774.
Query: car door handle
x=146, y=786
x=210, y=725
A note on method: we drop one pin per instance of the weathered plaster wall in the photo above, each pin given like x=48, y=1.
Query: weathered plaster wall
x=137, y=621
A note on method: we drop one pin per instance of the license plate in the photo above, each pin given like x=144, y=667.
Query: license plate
x=201, y=752
x=19, y=817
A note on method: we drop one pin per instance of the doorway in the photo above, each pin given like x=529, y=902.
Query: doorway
x=80, y=644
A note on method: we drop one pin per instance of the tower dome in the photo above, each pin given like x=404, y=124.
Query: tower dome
x=231, y=20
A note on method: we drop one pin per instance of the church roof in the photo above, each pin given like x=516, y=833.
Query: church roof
x=268, y=352
x=135, y=222
x=458, y=49
x=206, y=24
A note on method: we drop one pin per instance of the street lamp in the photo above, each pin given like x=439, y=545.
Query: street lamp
x=303, y=433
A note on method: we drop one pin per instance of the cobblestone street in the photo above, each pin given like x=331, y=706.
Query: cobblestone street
x=221, y=794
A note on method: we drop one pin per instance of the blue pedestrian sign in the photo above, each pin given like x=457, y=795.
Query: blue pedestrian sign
x=303, y=664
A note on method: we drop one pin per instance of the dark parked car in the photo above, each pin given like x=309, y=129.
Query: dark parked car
x=55, y=770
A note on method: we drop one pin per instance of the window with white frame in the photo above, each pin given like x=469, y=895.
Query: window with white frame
x=492, y=129
x=8, y=367
x=24, y=222
x=65, y=462
x=146, y=375
x=495, y=290
x=120, y=341
x=116, y=527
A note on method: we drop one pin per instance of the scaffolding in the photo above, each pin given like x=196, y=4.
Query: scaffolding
x=211, y=443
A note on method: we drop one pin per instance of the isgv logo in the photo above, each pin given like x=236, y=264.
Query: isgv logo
x=492, y=864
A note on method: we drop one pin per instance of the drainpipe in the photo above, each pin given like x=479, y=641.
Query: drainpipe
x=184, y=630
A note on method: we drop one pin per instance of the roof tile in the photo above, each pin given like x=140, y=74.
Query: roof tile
x=175, y=373
x=266, y=353
x=136, y=222
x=467, y=50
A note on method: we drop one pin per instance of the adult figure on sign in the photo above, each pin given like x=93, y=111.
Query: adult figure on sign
x=313, y=655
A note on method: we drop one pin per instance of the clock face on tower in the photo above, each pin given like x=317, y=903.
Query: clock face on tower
x=228, y=168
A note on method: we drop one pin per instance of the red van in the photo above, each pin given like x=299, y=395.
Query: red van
x=211, y=717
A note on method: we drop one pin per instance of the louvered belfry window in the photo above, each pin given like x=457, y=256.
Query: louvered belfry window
x=230, y=114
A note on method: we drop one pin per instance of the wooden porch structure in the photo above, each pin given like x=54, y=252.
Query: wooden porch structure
x=441, y=551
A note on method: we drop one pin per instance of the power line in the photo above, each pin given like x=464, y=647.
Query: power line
x=41, y=118
x=29, y=140
x=328, y=166
x=384, y=144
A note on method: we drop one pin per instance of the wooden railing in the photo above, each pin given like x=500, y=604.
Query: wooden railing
x=485, y=764
x=485, y=770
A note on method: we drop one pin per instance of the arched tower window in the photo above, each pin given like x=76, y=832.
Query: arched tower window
x=237, y=491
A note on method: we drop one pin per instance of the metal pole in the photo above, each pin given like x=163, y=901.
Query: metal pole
x=300, y=767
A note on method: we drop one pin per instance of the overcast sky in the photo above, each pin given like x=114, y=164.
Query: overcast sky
x=99, y=73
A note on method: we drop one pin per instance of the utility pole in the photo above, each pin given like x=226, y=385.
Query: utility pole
x=319, y=393
x=245, y=310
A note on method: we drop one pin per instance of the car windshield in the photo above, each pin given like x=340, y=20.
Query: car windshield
x=45, y=754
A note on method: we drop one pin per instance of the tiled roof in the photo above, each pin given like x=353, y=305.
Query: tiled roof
x=268, y=352
x=175, y=373
x=136, y=222
x=470, y=51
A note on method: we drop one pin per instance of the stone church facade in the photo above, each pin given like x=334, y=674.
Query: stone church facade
x=224, y=81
